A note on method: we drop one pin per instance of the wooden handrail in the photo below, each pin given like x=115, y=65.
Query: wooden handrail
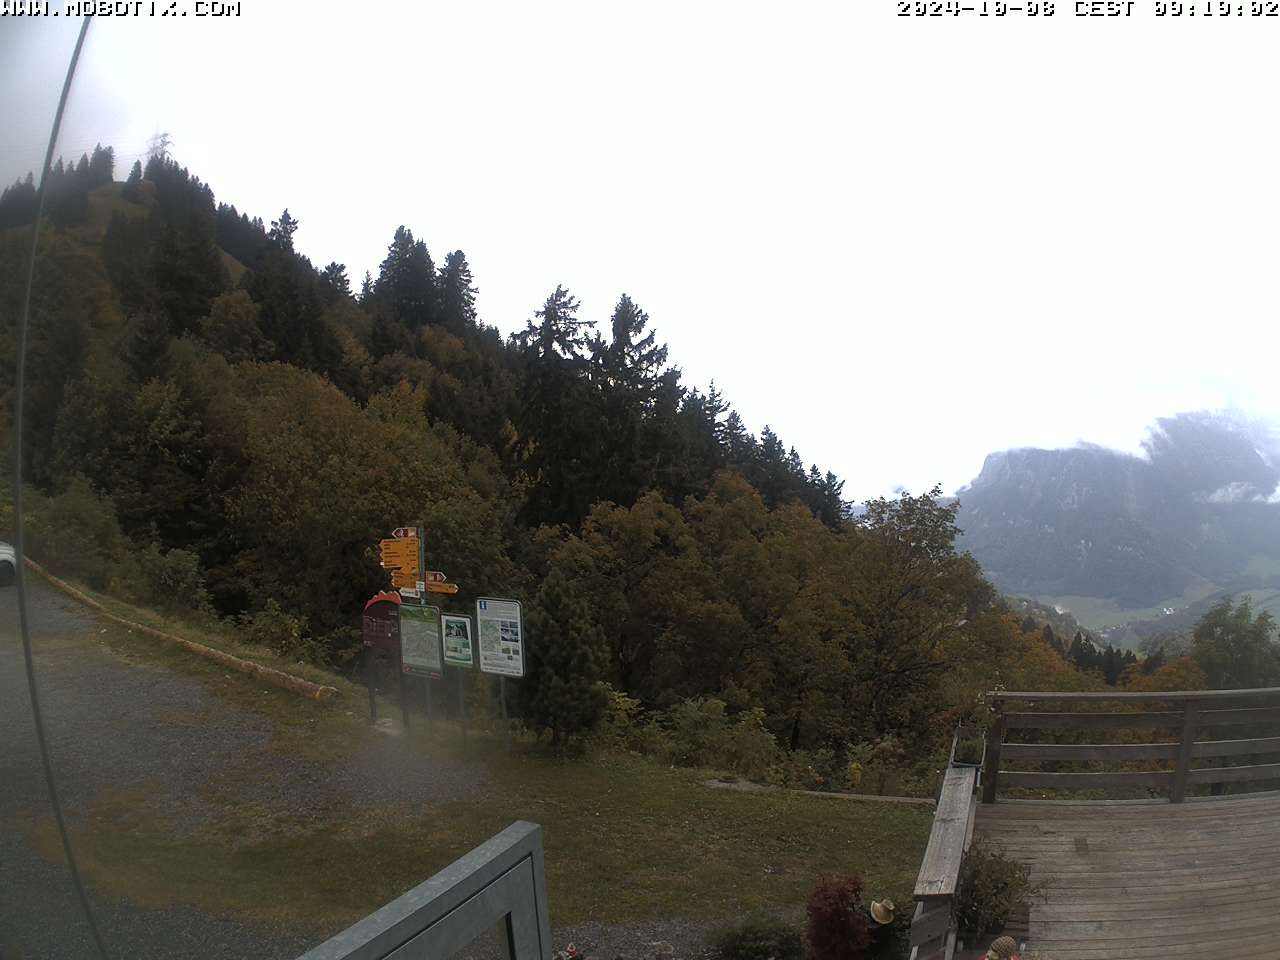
x=1186, y=711
x=933, y=934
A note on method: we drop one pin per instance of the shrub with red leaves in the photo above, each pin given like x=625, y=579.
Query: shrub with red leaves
x=838, y=927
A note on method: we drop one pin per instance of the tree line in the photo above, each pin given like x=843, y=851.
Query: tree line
x=227, y=428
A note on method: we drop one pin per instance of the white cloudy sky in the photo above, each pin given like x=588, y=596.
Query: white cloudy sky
x=901, y=242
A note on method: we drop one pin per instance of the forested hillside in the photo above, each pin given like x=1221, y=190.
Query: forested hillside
x=214, y=424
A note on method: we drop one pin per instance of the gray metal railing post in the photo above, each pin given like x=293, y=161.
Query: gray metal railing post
x=502, y=881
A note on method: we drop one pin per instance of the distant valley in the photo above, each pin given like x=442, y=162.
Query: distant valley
x=1134, y=545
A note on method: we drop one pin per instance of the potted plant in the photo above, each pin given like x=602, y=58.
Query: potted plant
x=968, y=747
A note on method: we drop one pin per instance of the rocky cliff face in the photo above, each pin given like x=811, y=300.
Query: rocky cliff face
x=1093, y=522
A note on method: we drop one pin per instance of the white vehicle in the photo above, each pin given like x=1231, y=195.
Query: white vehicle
x=8, y=564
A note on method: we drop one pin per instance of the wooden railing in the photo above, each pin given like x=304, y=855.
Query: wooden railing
x=1184, y=713
x=933, y=935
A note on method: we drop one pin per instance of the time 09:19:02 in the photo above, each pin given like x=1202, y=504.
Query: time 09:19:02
x=1220, y=8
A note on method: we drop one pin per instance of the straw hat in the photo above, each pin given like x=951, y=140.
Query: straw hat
x=882, y=911
x=1002, y=948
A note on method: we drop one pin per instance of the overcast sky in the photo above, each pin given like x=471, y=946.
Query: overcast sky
x=903, y=243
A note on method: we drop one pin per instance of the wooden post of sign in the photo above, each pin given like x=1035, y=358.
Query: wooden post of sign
x=368, y=679
x=502, y=695
x=426, y=688
x=462, y=704
x=422, y=575
x=404, y=700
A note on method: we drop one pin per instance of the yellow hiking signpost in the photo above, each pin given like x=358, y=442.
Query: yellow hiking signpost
x=400, y=557
x=403, y=555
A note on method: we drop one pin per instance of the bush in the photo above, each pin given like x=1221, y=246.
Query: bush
x=992, y=890
x=76, y=533
x=701, y=733
x=278, y=631
x=169, y=580
x=838, y=927
x=759, y=938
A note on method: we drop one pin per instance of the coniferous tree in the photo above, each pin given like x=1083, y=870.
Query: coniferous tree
x=287, y=290
x=739, y=445
x=457, y=294
x=241, y=237
x=132, y=186
x=18, y=203
x=772, y=472
x=101, y=167
x=832, y=508
x=335, y=280
x=555, y=332
x=67, y=195
x=282, y=231
x=406, y=283
x=633, y=359
x=562, y=691
x=366, y=289
x=559, y=411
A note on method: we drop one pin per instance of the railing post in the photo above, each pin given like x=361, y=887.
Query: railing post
x=1179, y=789
x=991, y=765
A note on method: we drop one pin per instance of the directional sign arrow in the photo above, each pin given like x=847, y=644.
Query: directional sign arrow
x=436, y=587
x=436, y=576
x=404, y=533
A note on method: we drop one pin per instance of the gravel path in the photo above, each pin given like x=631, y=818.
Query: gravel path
x=98, y=713
x=115, y=724
x=162, y=736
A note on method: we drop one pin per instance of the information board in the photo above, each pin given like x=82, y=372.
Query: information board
x=457, y=641
x=420, y=640
x=500, y=631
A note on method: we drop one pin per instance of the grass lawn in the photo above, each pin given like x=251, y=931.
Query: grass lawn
x=625, y=839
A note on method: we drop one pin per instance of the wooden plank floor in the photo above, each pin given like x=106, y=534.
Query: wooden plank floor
x=1130, y=881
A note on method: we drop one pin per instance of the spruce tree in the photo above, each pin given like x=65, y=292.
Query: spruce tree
x=739, y=445
x=335, y=279
x=633, y=359
x=407, y=281
x=18, y=203
x=282, y=230
x=102, y=166
x=132, y=186
x=555, y=331
x=563, y=690
x=457, y=294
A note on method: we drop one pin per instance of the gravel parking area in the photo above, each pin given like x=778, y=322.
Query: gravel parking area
x=163, y=742
x=162, y=739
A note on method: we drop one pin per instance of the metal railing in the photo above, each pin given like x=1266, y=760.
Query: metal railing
x=501, y=882
x=1185, y=711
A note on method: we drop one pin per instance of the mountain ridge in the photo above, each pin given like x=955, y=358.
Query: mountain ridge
x=1196, y=514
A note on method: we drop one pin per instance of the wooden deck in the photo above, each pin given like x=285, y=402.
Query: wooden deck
x=1137, y=880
